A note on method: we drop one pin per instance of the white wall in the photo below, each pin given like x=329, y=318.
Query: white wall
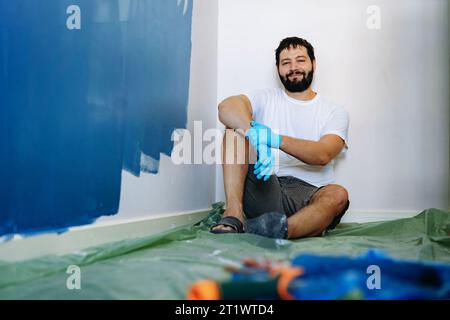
x=180, y=188
x=394, y=82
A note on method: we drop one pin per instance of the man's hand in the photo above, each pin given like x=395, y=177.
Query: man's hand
x=263, y=139
x=264, y=166
x=260, y=134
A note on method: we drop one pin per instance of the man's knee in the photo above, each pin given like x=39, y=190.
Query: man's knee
x=335, y=194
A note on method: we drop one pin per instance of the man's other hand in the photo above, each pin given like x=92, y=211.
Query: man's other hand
x=260, y=134
x=264, y=165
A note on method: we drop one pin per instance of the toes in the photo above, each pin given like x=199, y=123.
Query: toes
x=222, y=227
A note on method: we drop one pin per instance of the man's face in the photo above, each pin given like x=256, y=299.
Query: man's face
x=296, y=69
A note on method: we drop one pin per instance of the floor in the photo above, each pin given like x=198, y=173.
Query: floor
x=164, y=266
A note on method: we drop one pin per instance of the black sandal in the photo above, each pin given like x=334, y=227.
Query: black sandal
x=228, y=221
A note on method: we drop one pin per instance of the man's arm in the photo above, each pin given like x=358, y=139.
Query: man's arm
x=236, y=112
x=313, y=152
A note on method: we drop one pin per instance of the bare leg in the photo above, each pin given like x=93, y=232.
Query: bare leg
x=313, y=219
x=235, y=154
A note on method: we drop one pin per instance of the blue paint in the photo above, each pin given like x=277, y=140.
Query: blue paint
x=77, y=106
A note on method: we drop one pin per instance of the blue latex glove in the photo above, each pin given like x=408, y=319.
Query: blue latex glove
x=264, y=166
x=260, y=134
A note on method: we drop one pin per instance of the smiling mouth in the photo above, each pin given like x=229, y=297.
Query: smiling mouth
x=295, y=75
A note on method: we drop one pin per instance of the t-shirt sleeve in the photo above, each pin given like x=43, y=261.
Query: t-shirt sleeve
x=258, y=99
x=337, y=123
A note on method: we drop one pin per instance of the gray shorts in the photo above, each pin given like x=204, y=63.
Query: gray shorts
x=280, y=194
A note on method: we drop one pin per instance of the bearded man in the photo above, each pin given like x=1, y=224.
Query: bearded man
x=306, y=132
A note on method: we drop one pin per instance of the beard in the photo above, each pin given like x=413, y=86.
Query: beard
x=297, y=85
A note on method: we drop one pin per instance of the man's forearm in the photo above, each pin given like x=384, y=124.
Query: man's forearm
x=310, y=152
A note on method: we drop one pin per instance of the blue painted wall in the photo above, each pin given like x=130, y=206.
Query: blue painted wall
x=77, y=106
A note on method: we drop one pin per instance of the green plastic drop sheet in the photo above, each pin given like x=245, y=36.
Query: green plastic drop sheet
x=164, y=266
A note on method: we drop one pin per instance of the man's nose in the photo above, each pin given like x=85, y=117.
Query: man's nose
x=295, y=67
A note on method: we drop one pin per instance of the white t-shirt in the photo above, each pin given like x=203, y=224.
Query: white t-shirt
x=308, y=120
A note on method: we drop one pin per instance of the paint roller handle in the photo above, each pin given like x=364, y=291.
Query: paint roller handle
x=276, y=287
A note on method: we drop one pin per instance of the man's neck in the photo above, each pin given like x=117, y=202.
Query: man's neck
x=306, y=95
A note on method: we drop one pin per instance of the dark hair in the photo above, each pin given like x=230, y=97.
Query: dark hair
x=294, y=42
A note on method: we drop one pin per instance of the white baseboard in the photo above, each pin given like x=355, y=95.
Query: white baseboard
x=77, y=238
x=377, y=215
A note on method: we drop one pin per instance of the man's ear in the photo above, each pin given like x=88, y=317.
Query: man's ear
x=314, y=65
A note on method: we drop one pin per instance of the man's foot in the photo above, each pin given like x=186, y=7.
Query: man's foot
x=270, y=224
x=229, y=224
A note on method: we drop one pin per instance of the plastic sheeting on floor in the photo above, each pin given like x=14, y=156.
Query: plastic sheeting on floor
x=164, y=266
